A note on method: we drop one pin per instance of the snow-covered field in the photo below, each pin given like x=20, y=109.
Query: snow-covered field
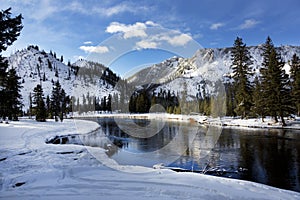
x=31, y=169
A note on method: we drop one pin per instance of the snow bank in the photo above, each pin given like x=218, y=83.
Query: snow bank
x=31, y=169
x=251, y=123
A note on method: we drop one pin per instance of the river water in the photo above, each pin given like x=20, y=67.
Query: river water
x=265, y=156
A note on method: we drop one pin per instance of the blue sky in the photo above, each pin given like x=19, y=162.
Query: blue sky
x=112, y=30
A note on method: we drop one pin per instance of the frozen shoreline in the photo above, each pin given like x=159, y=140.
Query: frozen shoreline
x=31, y=169
x=204, y=120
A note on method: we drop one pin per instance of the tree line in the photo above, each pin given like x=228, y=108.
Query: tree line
x=56, y=106
x=10, y=98
x=273, y=93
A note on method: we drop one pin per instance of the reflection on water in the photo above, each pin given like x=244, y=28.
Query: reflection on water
x=271, y=157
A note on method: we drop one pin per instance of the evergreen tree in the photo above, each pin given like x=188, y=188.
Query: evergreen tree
x=132, y=104
x=59, y=101
x=83, y=106
x=295, y=82
x=63, y=104
x=275, y=83
x=230, y=101
x=49, y=64
x=109, y=99
x=142, y=103
x=13, y=95
x=39, y=104
x=78, y=105
x=10, y=28
x=241, y=62
x=56, y=99
x=48, y=107
x=258, y=100
x=30, y=105
x=44, y=77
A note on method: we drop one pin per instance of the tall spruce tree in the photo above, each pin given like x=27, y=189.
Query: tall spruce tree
x=59, y=102
x=10, y=28
x=13, y=95
x=258, y=100
x=39, y=104
x=295, y=82
x=63, y=104
x=241, y=63
x=56, y=100
x=275, y=83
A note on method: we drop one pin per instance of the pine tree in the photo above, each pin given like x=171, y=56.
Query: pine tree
x=132, y=104
x=39, y=104
x=109, y=99
x=258, y=107
x=230, y=101
x=49, y=64
x=83, y=107
x=241, y=62
x=59, y=101
x=10, y=28
x=56, y=99
x=13, y=95
x=48, y=107
x=78, y=105
x=44, y=77
x=295, y=82
x=30, y=105
x=275, y=83
x=9, y=31
x=63, y=104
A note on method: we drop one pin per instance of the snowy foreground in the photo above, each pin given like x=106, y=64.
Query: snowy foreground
x=31, y=169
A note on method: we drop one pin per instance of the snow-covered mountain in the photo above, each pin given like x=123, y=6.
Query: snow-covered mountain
x=204, y=69
x=38, y=67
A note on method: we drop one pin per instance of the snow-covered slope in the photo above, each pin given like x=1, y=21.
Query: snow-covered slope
x=32, y=65
x=179, y=75
x=206, y=67
x=38, y=67
x=93, y=79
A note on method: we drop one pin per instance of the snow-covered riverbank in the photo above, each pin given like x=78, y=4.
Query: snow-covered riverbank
x=31, y=169
x=205, y=120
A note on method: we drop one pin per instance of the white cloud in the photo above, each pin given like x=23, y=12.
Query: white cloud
x=104, y=9
x=88, y=42
x=249, y=23
x=197, y=36
x=216, y=26
x=94, y=49
x=129, y=31
x=149, y=38
x=143, y=44
x=177, y=40
x=151, y=23
x=120, y=8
